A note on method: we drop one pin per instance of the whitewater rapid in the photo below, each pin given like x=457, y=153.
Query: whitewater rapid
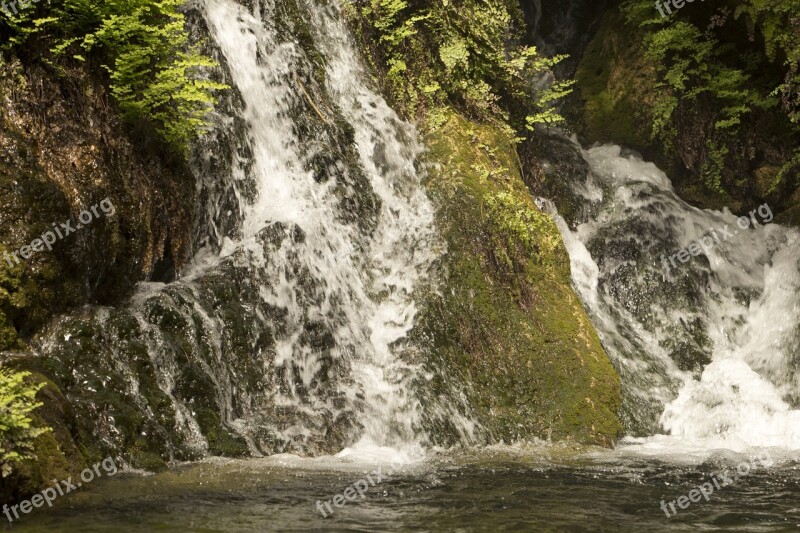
x=706, y=348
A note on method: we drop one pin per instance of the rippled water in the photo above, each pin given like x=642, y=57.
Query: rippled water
x=551, y=488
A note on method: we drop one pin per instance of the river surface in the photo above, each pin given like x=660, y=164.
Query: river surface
x=500, y=488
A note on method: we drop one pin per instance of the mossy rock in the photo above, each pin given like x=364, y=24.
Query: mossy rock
x=617, y=86
x=197, y=389
x=506, y=331
x=141, y=456
x=221, y=442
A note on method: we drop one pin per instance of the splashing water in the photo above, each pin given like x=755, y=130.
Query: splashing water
x=366, y=282
x=707, y=349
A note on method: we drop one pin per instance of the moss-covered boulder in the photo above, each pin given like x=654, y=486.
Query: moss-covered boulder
x=508, y=339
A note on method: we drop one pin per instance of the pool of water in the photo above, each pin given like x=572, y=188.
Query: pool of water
x=522, y=488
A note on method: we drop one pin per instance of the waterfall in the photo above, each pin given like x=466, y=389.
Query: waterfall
x=367, y=281
x=706, y=347
x=288, y=323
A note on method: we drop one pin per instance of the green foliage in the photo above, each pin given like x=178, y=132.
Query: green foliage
x=691, y=67
x=707, y=68
x=457, y=52
x=711, y=172
x=521, y=226
x=792, y=165
x=548, y=114
x=778, y=22
x=143, y=44
x=17, y=401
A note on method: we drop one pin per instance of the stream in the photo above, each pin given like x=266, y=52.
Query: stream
x=500, y=488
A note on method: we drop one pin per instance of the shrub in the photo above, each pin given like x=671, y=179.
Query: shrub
x=154, y=75
x=17, y=401
x=700, y=61
x=457, y=52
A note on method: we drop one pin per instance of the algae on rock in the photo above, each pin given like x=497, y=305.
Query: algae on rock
x=506, y=332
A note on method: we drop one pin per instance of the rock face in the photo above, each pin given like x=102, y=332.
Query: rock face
x=62, y=151
x=508, y=336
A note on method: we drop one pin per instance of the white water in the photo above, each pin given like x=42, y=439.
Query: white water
x=365, y=282
x=742, y=296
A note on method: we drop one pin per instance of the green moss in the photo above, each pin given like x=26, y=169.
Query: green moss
x=616, y=84
x=508, y=331
x=197, y=388
x=220, y=441
x=141, y=456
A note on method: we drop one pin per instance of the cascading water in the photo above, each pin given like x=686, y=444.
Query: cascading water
x=707, y=349
x=287, y=331
x=284, y=333
x=285, y=326
x=368, y=280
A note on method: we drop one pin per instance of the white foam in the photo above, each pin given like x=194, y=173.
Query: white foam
x=746, y=398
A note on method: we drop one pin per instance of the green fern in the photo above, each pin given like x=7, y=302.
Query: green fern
x=17, y=402
x=456, y=53
x=143, y=44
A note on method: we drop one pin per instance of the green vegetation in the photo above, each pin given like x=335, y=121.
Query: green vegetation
x=154, y=75
x=701, y=61
x=13, y=298
x=521, y=230
x=509, y=334
x=457, y=52
x=17, y=402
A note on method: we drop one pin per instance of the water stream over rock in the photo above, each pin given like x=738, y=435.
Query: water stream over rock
x=282, y=334
x=287, y=335
x=706, y=342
